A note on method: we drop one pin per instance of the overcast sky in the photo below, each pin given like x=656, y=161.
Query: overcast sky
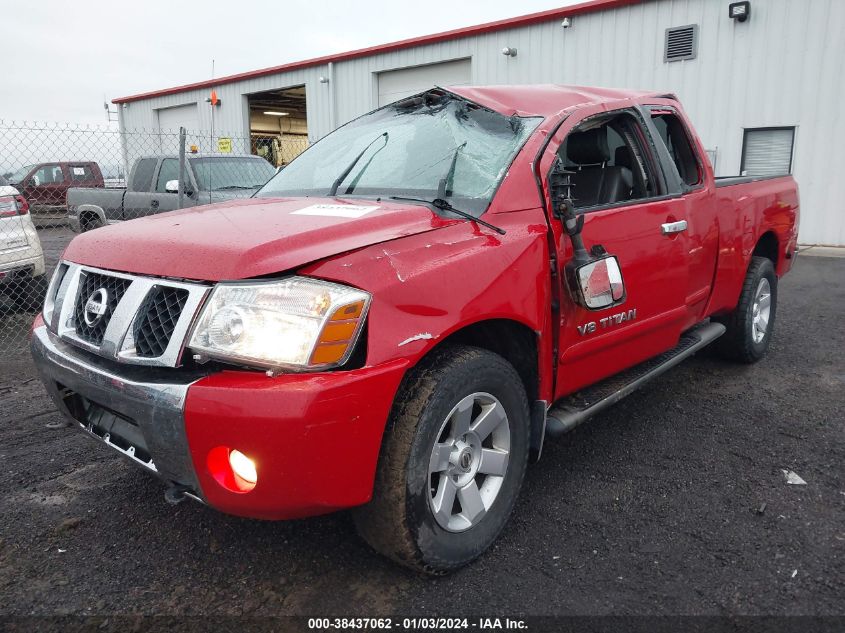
x=61, y=58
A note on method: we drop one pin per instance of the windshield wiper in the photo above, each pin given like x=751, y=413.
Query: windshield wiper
x=345, y=173
x=444, y=187
x=445, y=205
x=233, y=187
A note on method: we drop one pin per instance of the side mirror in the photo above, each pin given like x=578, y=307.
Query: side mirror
x=600, y=284
x=172, y=186
x=560, y=187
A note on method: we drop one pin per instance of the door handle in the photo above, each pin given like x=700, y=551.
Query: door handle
x=673, y=227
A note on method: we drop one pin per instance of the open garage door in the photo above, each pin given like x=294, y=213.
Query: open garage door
x=396, y=84
x=278, y=124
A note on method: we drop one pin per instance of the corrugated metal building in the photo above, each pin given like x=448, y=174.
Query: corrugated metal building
x=765, y=93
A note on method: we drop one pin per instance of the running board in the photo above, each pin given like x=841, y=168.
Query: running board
x=568, y=413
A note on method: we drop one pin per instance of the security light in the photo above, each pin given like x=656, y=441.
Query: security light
x=508, y=51
x=566, y=23
x=739, y=11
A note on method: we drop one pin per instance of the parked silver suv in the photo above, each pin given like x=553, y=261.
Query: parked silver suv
x=21, y=259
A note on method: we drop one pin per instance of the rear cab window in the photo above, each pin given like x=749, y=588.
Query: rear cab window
x=80, y=173
x=674, y=136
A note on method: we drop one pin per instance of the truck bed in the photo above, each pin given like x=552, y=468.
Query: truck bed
x=729, y=181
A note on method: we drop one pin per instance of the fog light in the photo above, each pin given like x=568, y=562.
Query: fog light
x=243, y=466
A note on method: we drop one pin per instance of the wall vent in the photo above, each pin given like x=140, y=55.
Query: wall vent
x=681, y=43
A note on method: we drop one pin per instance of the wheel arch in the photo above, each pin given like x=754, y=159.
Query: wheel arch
x=767, y=246
x=90, y=210
x=514, y=341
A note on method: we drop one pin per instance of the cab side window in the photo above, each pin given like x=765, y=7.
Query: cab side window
x=48, y=175
x=677, y=142
x=607, y=162
x=169, y=170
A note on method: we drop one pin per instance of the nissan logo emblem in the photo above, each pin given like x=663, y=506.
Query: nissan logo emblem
x=96, y=306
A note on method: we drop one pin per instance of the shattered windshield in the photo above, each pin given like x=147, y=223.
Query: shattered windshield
x=434, y=145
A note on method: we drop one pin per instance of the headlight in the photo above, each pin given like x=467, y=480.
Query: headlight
x=297, y=322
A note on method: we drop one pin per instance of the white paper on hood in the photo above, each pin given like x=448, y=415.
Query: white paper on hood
x=337, y=210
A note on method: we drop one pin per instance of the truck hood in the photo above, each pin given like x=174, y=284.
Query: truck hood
x=248, y=238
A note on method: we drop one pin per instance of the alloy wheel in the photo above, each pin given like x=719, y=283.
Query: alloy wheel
x=468, y=462
x=761, y=311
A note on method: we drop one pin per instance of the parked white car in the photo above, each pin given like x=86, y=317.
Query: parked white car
x=22, y=276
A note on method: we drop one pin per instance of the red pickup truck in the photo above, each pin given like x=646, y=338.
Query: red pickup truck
x=400, y=317
x=45, y=185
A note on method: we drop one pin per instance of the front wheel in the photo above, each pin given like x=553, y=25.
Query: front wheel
x=452, y=462
x=750, y=325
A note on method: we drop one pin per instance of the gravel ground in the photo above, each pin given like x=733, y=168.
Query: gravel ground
x=673, y=502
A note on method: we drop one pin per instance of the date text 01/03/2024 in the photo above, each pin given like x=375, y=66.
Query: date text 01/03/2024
x=414, y=624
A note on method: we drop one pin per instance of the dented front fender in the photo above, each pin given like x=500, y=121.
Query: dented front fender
x=425, y=289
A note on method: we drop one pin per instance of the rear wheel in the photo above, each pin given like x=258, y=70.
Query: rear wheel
x=750, y=326
x=90, y=221
x=452, y=462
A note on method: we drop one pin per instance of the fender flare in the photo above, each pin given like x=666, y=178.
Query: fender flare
x=91, y=208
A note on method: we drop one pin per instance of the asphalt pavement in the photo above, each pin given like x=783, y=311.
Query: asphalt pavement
x=672, y=502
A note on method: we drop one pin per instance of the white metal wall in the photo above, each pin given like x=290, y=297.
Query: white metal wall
x=783, y=67
x=404, y=82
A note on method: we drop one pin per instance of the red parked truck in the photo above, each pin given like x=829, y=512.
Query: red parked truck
x=398, y=319
x=45, y=185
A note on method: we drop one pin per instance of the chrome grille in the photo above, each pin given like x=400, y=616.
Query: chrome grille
x=90, y=283
x=158, y=319
x=145, y=320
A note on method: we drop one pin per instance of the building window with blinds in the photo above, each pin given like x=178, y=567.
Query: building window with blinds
x=767, y=151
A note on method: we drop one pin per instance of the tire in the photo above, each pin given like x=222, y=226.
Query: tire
x=400, y=522
x=744, y=341
x=28, y=295
x=89, y=222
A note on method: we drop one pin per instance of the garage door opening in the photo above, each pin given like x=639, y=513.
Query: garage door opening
x=278, y=126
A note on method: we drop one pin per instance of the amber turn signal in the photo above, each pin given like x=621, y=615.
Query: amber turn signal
x=338, y=334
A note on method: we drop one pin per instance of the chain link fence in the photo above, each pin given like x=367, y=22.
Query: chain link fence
x=60, y=179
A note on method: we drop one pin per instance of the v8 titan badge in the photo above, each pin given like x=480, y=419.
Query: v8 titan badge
x=606, y=322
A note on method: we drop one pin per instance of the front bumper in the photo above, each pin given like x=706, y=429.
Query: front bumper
x=141, y=417
x=314, y=438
